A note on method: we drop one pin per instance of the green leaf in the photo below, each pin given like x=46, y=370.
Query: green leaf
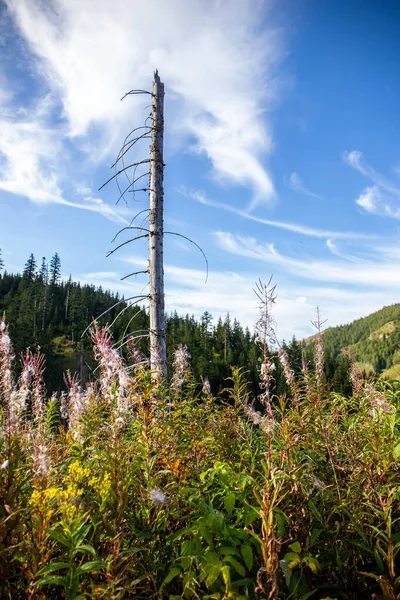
x=396, y=451
x=213, y=572
x=93, y=565
x=226, y=575
x=247, y=553
x=250, y=516
x=82, y=533
x=227, y=551
x=85, y=548
x=295, y=547
x=293, y=559
x=58, y=536
x=313, y=564
x=53, y=580
x=307, y=595
x=280, y=519
x=229, y=503
x=286, y=570
x=174, y=572
x=236, y=565
x=52, y=567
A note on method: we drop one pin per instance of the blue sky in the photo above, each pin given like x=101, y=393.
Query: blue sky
x=281, y=147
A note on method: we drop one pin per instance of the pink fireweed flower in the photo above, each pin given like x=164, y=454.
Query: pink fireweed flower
x=266, y=370
x=377, y=401
x=253, y=415
x=206, y=387
x=41, y=458
x=306, y=374
x=287, y=370
x=6, y=363
x=157, y=496
x=181, y=367
x=76, y=402
x=111, y=365
x=319, y=359
x=37, y=365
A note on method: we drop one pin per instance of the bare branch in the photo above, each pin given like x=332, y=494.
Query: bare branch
x=138, y=237
x=135, y=273
x=130, y=143
x=130, y=184
x=147, y=160
x=125, y=228
x=111, y=307
x=135, y=93
x=194, y=244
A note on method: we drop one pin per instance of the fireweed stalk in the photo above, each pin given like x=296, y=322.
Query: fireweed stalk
x=267, y=580
x=112, y=369
x=181, y=368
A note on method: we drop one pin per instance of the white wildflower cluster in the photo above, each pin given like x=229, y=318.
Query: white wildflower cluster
x=377, y=401
x=6, y=361
x=266, y=370
x=41, y=458
x=306, y=374
x=355, y=378
x=319, y=359
x=253, y=415
x=157, y=497
x=112, y=367
x=287, y=370
x=206, y=388
x=181, y=367
x=64, y=406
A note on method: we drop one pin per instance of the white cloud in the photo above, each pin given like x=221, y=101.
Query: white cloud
x=363, y=273
x=33, y=161
x=374, y=201
x=218, y=65
x=355, y=159
x=382, y=198
x=293, y=227
x=229, y=292
x=295, y=183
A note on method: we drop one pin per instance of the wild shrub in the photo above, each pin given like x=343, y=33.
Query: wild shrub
x=131, y=488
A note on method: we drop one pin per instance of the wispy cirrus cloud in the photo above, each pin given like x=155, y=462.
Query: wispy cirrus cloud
x=227, y=291
x=33, y=160
x=383, y=197
x=294, y=182
x=379, y=273
x=200, y=197
x=219, y=65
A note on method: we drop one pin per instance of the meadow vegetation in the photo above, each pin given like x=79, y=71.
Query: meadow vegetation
x=135, y=488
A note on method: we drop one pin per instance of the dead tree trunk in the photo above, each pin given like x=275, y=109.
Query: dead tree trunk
x=158, y=353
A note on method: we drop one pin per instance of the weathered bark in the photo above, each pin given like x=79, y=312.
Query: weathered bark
x=158, y=354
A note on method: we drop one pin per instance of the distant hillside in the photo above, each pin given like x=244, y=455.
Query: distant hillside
x=374, y=341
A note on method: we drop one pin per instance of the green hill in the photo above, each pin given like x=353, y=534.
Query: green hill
x=373, y=341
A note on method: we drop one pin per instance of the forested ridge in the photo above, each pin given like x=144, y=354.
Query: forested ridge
x=373, y=341
x=43, y=310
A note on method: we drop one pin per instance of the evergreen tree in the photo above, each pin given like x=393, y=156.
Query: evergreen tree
x=1, y=261
x=30, y=268
x=44, y=271
x=55, y=270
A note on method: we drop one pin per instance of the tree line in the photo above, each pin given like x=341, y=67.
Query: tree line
x=47, y=312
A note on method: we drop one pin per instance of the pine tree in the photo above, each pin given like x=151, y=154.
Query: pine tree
x=44, y=271
x=1, y=261
x=55, y=270
x=30, y=268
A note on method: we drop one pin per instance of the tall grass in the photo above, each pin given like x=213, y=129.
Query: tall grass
x=132, y=489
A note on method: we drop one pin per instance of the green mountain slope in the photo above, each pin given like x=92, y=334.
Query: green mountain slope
x=374, y=341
